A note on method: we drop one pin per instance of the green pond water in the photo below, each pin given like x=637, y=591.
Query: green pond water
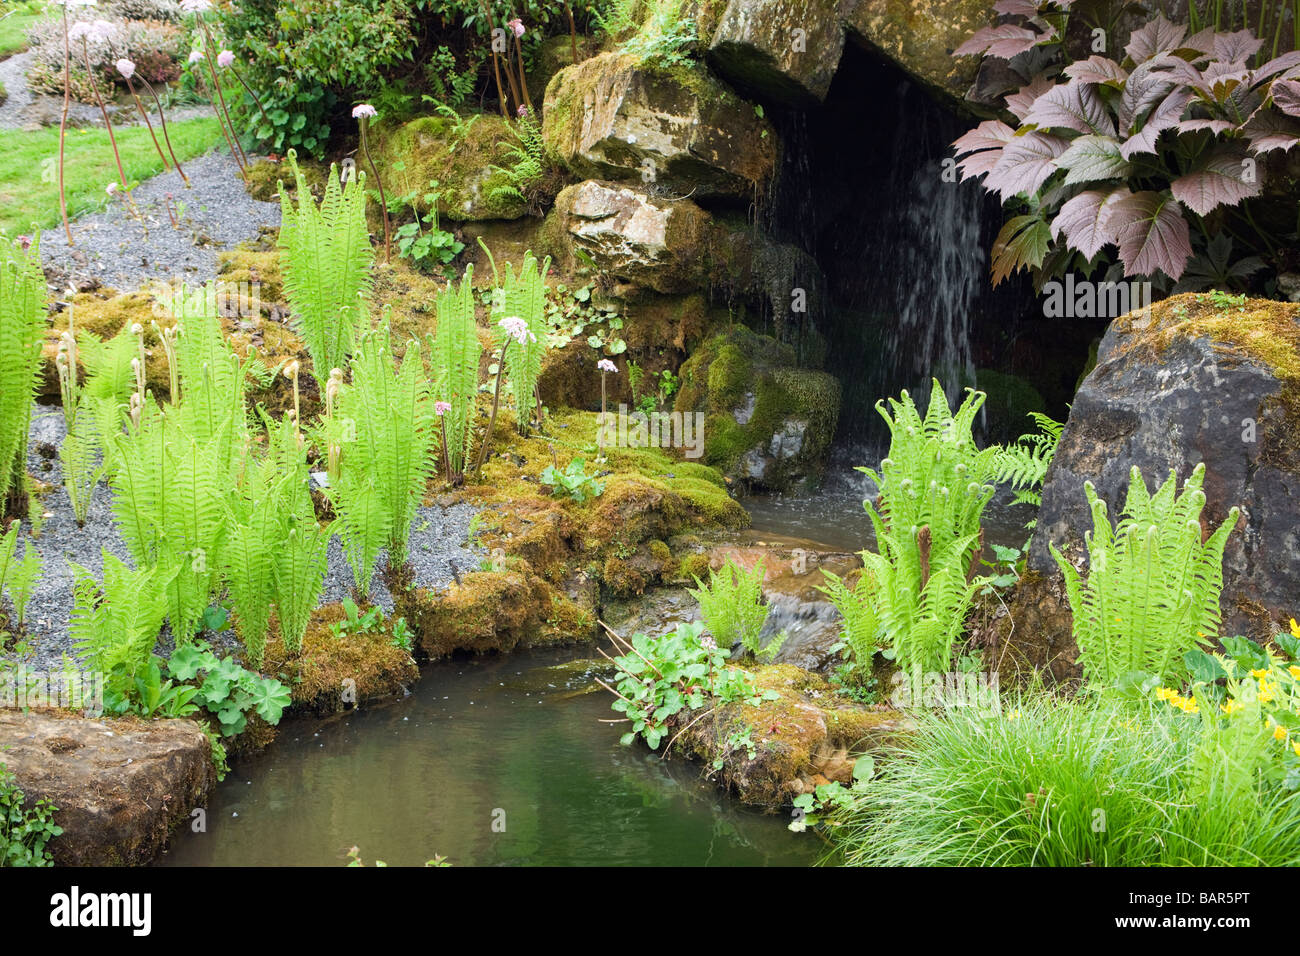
x=509, y=738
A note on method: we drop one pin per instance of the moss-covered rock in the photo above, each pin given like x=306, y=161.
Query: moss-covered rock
x=614, y=117
x=768, y=424
x=1198, y=379
x=460, y=155
x=806, y=737
x=332, y=674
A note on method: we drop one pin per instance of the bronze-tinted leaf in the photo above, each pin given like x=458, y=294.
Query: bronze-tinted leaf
x=1021, y=244
x=1026, y=163
x=1074, y=105
x=1084, y=219
x=1236, y=47
x=1097, y=69
x=1155, y=36
x=1224, y=178
x=1151, y=233
x=1002, y=41
x=1165, y=116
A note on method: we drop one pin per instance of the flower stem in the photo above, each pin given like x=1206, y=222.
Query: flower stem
x=496, y=402
x=232, y=137
x=162, y=119
x=145, y=116
x=383, y=199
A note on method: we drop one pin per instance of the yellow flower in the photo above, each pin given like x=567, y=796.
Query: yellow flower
x=1279, y=732
x=1013, y=715
x=1231, y=706
x=1296, y=747
x=1258, y=672
x=1164, y=693
x=1294, y=671
x=1266, y=691
x=1295, y=629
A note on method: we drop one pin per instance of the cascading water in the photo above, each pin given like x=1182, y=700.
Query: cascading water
x=903, y=247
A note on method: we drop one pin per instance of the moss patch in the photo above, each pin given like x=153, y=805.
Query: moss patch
x=1264, y=330
x=363, y=667
x=806, y=737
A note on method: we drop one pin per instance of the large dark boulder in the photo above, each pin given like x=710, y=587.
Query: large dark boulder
x=1199, y=379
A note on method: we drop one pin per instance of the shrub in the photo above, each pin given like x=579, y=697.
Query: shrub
x=1126, y=151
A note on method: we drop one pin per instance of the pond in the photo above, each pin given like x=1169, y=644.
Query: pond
x=513, y=739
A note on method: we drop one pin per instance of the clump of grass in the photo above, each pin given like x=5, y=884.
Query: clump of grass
x=1055, y=783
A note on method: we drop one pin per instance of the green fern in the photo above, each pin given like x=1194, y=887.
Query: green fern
x=115, y=624
x=80, y=457
x=732, y=607
x=22, y=326
x=1153, y=585
x=300, y=565
x=918, y=585
x=388, y=413
x=326, y=257
x=524, y=295
x=528, y=162
x=255, y=531
x=1024, y=465
x=18, y=575
x=454, y=352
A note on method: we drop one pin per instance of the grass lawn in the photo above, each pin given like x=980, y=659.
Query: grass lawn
x=29, y=186
x=14, y=27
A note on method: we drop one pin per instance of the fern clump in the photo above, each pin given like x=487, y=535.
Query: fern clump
x=454, y=352
x=326, y=257
x=733, y=609
x=917, y=587
x=527, y=163
x=524, y=295
x=388, y=452
x=299, y=573
x=22, y=326
x=115, y=624
x=18, y=575
x=1153, y=585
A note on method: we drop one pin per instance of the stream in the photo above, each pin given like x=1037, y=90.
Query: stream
x=514, y=738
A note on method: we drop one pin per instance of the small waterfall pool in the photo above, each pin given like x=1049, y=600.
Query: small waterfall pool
x=512, y=738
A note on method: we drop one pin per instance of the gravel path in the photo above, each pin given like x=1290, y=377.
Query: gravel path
x=114, y=249
x=437, y=537
x=13, y=74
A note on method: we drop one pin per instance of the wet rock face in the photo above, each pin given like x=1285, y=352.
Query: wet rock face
x=677, y=128
x=920, y=35
x=1174, y=390
x=121, y=786
x=785, y=50
x=654, y=243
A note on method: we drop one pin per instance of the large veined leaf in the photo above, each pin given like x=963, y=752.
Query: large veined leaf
x=1002, y=41
x=1220, y=180
x=1021, y=244
x=1286, y=96
x=1092, y=158
x=1280, y=64
x=1154, y=37
x=1236, y=47
x=1020, y=102
x=1268, y=131
x=1144, y=89
x=984, y=144
x=1151, y=233
x=1025, y=164
x=1097, y=69
x=1165, y=116
x=1084, y=220
x=1022, y=8
x=1201, y=42
x=1215, y=126
x=1074, y=105
x=1215, y=268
